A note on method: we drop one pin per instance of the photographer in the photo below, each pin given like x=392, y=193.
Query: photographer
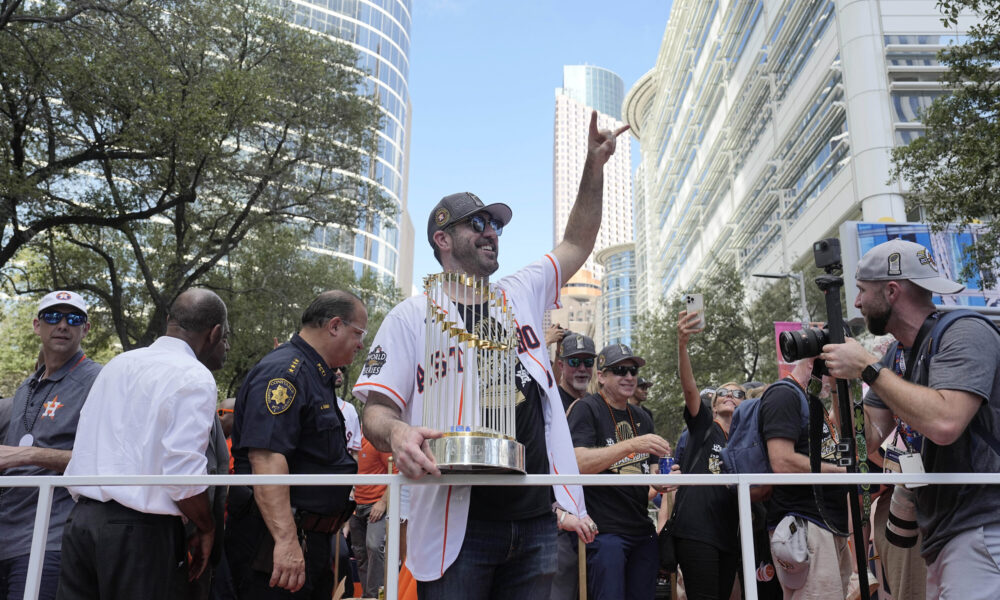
x=950, y=398
x=810, y=560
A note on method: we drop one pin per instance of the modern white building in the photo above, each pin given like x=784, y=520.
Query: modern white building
x=766, y=123
x=586, y=88
x=379, y=30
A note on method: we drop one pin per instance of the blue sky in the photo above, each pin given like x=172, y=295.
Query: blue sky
x=482, y=85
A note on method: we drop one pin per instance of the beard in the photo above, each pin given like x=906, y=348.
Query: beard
x=578, y=386
x=878, y=321
x=469, y=257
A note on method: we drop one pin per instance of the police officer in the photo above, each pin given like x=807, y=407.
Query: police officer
x=287, y=421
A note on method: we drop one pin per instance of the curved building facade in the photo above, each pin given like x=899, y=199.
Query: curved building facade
x=379, y=30
x=618, y=306
x=767, y=123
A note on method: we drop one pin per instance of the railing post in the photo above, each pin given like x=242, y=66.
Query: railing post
x=392, y=541
x=746, y=541
x=37, y=558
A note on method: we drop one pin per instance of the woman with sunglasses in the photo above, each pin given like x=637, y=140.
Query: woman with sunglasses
x=707, y=522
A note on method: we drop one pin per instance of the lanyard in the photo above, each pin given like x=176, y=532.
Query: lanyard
x=614, y=423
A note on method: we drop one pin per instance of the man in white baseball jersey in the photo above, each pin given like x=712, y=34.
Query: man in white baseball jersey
x=461, y=545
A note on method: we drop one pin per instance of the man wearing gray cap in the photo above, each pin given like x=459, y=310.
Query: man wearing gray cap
x=576, y=359
x=944, y=406
x=461, y=546
x=576, y=363
x=40, y=437
x=610, y=436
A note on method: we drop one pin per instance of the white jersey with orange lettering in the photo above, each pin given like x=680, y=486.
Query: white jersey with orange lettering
x=352, y=425
x=394, y=369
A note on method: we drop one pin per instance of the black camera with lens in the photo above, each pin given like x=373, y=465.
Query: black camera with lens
x=805, y=343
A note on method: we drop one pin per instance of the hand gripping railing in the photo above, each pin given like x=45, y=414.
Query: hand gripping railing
x=46, y=484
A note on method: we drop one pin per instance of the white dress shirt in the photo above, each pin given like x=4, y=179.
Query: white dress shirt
x=149, y=413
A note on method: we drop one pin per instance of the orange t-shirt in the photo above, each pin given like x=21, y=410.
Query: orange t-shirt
x=370, y=462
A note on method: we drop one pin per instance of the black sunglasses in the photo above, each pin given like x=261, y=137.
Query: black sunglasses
x=479, y=222
x=726, y=392
x=576, y=362
x=622, y=370
x=52, y=317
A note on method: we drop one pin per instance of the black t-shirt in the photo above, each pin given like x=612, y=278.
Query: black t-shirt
x=566, y=398
x=595, y=424
x=706, y=513
x=516, y=502
x=781, y=417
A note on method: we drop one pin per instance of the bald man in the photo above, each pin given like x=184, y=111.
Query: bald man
x=149, y=412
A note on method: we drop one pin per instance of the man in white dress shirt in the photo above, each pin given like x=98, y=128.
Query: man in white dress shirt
x=149, y=412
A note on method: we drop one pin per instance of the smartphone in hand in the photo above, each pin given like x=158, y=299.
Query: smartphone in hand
x=696, y=303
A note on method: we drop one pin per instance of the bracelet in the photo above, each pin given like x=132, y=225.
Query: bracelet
x=562, y=517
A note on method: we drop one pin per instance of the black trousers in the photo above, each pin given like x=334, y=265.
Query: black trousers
x=708, y=572
x=111, y=552
x=248, y=541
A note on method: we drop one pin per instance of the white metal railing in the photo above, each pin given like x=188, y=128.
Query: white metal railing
x=45, y=485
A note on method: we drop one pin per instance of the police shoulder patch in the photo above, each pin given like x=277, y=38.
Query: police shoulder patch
x=279, y=395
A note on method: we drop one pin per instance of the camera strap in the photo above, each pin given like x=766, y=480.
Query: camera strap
x=914, y=351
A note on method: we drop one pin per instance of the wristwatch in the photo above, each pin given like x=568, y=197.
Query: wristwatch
x=871, y=372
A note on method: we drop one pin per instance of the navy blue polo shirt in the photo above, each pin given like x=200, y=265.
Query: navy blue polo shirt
x=287, y=404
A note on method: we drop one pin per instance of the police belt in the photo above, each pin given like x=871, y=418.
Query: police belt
x=310, y=521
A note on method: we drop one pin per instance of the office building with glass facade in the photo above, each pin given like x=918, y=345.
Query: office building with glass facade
x=379, y=30
x=618, y=288
x=587, y=88
x=766, y=123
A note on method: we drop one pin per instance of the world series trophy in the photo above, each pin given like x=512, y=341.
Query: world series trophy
x=469, y=389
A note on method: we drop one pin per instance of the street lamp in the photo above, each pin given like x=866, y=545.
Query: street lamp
x=802, y=291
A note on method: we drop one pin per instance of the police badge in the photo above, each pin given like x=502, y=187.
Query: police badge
x=279, y=395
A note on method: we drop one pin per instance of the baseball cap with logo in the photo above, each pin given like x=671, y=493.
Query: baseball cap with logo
x=575, y=344
x=644, y=383
x=616, y=353
x=899, y=259
x=790, y=552
x=452, y=209
x=63, y=297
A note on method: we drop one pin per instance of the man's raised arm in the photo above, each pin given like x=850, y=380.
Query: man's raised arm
x=585, y=217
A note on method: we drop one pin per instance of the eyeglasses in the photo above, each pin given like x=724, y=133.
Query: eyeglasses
x=363, y=332
x=576, y=362
x=622, y=370
x=726, y=392
x=479, y=222
x=52, y=317
x=224, y=411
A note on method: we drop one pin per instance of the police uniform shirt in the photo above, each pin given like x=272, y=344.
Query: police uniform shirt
x=288, y=405
x=43, y=413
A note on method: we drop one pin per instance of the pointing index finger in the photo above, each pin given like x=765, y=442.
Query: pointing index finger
x=621, y=130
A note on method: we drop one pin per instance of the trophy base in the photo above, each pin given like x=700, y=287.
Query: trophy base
x=477, y=453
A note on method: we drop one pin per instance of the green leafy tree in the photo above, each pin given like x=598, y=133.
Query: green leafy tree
x=145, y=141
x=736, y=345
x=267, y=283
x=954, y=169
